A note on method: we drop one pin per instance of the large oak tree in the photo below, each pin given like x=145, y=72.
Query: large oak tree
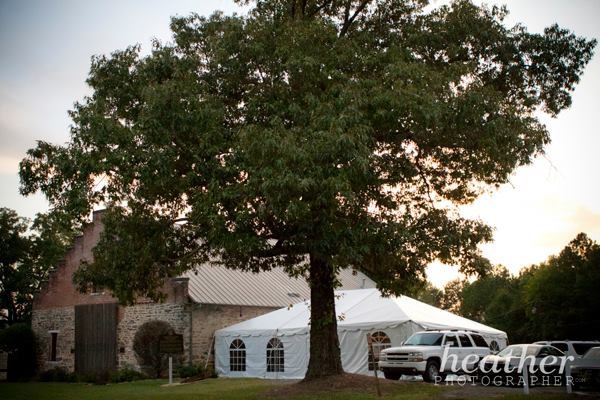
x=312, y=135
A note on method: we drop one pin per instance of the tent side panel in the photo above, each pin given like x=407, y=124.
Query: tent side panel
x=355, y=349
x=295, y=349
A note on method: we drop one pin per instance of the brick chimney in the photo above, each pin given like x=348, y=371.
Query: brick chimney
x=180, y=289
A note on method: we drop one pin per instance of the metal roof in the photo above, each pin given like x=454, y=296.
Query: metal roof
x=215, y=284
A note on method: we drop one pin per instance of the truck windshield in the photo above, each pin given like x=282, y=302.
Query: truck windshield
x=425, y=339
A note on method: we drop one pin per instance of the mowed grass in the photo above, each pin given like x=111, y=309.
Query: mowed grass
x=224, y=389
x=147, y=390
x=227, y=389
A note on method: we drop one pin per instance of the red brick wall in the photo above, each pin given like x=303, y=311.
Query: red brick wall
x=60, y=290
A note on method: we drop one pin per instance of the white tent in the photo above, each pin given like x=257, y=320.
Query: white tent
x=241, y=349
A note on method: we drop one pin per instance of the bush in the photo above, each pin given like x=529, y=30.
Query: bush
x=101, y=378
x=146, y=347
x=57, y=374
x=126, y=375
x=19, y=342
x=188, y=371
x=97, y=378
x=195, y=372
x=88, y=377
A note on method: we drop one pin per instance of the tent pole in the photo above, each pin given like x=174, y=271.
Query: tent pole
x=375, y=364
x=212, y=341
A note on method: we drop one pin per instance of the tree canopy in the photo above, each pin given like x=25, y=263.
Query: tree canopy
x=28, y=252
x=311, y=135
x=561, y=296
x=555, y=299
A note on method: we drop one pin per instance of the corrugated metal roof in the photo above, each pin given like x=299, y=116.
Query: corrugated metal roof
x=215, y=284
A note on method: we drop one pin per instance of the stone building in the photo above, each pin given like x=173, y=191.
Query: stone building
x=82, y=332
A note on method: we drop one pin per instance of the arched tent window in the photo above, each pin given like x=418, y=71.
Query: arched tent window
x=237, y=355
x=379, y=341
x=275, y=356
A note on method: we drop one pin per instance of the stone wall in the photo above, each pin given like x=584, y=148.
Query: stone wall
x=53, y=310
x=53, y=306
x=133, y=317
x=207, y=318
x=61, y=320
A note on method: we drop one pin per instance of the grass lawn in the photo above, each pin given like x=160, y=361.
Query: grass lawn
x=238, y=389
x=147, y=390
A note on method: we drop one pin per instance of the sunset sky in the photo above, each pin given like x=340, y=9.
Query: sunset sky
x=45, y=50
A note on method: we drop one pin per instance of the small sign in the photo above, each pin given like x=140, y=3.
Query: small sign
x=171, y=344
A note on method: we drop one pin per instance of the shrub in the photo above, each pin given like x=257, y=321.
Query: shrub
x=19, y=342
x=87, y=377
x=96, y=378
x=195, y=372
x=126, y=375
x=188, y=371
x=101, y=378
x=57, y=374
x=146, y=347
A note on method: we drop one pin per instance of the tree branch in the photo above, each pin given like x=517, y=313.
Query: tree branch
x=279, y=250
x=319, y=8
x=349, y=20
x=428, y=188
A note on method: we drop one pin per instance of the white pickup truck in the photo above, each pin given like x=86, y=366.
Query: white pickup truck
x=434, y=354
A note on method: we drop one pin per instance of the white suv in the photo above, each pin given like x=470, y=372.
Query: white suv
x=433, y=354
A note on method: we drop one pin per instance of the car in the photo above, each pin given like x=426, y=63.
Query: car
x=546, y=366
x=585, y=371
x=433, y=354
x=575, y=348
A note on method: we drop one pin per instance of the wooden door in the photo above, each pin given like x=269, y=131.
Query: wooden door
x=95, y=338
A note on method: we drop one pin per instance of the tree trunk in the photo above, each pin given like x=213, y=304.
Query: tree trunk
x=325, y=359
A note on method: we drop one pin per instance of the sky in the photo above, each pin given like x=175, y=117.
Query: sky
x=45, y=51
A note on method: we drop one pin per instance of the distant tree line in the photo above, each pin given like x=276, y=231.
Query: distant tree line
x=557, y=299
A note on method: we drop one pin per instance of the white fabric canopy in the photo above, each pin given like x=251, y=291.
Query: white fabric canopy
x=360, y=312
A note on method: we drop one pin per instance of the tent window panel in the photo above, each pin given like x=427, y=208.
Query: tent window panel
x=379, y=341
x=275, y=356
x=237, y=356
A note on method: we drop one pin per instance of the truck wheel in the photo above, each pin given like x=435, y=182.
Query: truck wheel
x=391, y=375
x=432, y=370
